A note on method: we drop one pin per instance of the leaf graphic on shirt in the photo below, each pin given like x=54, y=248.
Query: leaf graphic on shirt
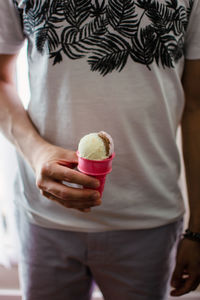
x=76, y=11
x=70, y=46
x=161, y=17
x=46, y=36
x=57, y=57
x=144, y=4
x=144, y=48
x=97, y=9
x=163, y=52
x=111, y=54
x=179, y=17
x=176, y=49
x=172, y=4
x=106, y=33
x=56, y=12
x=76, y=43
x=35, y=14
x=122, y=17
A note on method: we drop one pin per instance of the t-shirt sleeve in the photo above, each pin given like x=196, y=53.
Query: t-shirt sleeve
x=11, y=32
x=192, y=42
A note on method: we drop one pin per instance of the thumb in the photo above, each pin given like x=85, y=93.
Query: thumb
x=73, y=157
x=70, y=159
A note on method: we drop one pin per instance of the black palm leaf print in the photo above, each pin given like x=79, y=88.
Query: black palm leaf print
x=107, y=32
x=163, y=52
x=111, y=54
x=154, y=41
x=34, y=15
x=161, y=17
x=77, y=42
x=122, y=17
x=144, y=48
x=97, y=9
x=180, y=16
x=77, y=11
x=46, y=35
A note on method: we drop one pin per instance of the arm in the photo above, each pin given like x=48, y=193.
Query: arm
x=49, y=162
x=191, y=139
x=188, y=255
x=14, y=120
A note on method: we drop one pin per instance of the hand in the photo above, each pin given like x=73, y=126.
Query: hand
x=52, y=166
x=186, y=276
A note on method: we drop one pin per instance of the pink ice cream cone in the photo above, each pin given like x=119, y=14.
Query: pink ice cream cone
x=96, y=168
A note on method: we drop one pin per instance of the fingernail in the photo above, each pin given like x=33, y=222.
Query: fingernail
x=95, y=196
x=96, y=184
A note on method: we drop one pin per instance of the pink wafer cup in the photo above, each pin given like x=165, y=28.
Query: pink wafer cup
x=96, y=168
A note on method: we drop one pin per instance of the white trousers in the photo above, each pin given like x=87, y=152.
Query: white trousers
x=126, y=264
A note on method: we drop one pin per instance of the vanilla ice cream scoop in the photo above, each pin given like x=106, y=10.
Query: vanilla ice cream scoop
x=96, y=146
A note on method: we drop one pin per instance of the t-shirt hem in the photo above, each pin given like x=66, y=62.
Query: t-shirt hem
x=40, y=221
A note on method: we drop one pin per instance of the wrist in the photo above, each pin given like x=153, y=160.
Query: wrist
x=194, y=236
x=38, y=147
x=30, y=146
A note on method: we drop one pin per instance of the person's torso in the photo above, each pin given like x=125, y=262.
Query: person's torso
x=113, y=66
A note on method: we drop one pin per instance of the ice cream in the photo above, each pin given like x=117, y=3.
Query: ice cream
x=95, y=155
x=96, y=146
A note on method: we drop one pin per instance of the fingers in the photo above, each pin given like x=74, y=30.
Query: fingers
x=61, y=173
x=67, y=193
x=71, y=158
x=177, y=279
x=50, y=178
x=70, y=165
x=71, y=202
x=184, y=281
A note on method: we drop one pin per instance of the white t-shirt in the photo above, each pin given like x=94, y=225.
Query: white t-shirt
x=113, y=66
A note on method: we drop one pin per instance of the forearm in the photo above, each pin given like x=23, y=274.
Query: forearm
x=16, y=125
x=191, y=154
